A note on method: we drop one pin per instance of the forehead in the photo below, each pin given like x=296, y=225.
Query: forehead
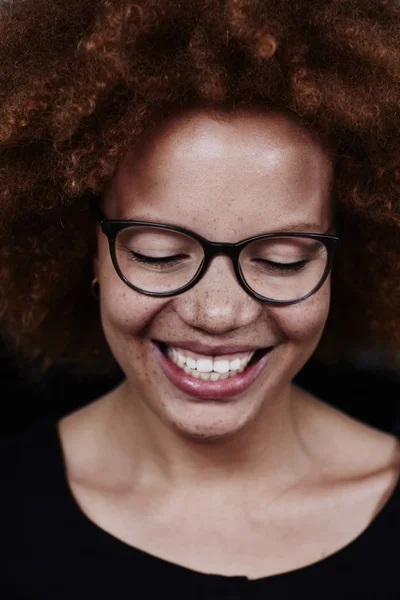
x=250, y=171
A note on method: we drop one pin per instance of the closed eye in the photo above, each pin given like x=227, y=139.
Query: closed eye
x=164, y=263
x=153, y=260
x=283, y=266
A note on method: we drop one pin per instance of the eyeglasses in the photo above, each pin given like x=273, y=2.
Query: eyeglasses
x=156, y=259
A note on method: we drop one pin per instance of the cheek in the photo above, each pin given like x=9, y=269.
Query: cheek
x=304, y=322
x=128, y=312
x=124, y=311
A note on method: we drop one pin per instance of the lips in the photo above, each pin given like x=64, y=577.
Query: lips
x=198, y=388
x=208, y=349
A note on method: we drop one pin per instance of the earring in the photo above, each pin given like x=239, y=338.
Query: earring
x=94, y=287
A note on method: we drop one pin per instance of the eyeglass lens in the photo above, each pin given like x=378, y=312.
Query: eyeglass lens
x=160, y=260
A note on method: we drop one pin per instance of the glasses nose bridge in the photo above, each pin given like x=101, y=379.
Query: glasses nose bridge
x=230, y=249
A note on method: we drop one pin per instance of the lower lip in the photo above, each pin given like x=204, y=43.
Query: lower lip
x=199, y=388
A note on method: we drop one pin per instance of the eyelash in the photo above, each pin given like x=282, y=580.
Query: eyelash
x=167, y=260
x=174, y=260
x=294, y=267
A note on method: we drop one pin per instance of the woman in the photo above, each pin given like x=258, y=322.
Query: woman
x=222, y=177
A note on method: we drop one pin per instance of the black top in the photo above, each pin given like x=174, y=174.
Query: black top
x=49, y=549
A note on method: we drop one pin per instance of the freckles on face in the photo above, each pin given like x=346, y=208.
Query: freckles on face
x=227, y=181
x=125, y=314
x=304, y=322
x=301, y=327
x=124, y=311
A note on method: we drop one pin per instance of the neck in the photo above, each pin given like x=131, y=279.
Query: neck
x=271, y=446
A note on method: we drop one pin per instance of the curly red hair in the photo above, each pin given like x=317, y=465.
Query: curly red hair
x=80, y=80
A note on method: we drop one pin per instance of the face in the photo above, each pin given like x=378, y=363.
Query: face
x=227, y=178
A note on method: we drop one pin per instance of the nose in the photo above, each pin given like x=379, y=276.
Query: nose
x=217, y=303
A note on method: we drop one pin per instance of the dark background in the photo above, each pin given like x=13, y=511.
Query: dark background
x=363, y=387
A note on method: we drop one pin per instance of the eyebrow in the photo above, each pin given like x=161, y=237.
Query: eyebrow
x=297, y=227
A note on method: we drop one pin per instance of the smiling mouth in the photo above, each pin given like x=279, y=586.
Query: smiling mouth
x=211, y=368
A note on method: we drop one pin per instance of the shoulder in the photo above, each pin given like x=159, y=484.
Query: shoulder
x=357, y=475
x=351, y=447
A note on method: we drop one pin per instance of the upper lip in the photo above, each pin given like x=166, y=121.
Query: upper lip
x=210, y=350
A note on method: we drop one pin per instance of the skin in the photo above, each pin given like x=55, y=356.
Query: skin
x=146, y=461
x=262, y=174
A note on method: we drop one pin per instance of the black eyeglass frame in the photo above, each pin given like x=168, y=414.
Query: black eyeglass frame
x=112, y=227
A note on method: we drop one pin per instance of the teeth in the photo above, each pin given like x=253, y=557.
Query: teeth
x=207, y=368
x=205, y=376
x=191, y=363
x=181, y=360
x=221, y=366
x=235, y=364
x=205, y=365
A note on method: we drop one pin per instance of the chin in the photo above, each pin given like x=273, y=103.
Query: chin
x=212, y=421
